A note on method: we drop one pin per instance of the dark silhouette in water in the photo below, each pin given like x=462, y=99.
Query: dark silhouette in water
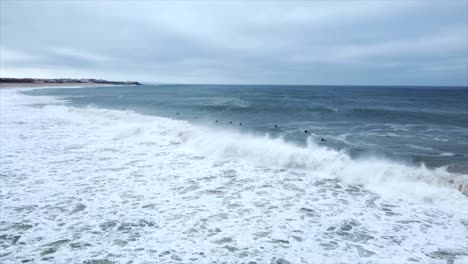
x=216, y=121
x=240, y=124
x=177, y=113
x=305, y=131
x=230, y=122
x=276, y=126
x=323, y=140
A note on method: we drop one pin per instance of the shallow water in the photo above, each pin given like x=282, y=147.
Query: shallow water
x=97, y=185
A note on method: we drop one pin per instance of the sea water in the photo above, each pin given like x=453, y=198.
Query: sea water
x=227, y=174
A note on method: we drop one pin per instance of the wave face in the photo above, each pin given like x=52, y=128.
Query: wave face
x=93, y=183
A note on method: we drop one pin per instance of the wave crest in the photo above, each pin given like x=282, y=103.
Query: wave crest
x=378, y=174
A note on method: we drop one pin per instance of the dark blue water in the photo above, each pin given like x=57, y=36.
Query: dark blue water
x=410, y=124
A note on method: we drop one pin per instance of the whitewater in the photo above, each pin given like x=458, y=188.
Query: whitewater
x=95, y=185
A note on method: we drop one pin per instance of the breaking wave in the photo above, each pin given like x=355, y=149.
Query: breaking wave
x=381, y=175
x=385, y=177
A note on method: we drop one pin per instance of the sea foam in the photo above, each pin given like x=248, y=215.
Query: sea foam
x=90, y=184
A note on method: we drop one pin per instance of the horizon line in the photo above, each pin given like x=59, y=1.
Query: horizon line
x=266, y=84
x=250, y=84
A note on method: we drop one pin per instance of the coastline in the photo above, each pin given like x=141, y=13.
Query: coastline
x=18, y=85
x=60, y=83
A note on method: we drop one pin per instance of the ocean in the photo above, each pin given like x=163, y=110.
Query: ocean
x=234, y=174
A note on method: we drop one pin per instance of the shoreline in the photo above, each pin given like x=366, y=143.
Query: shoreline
x=18, y=85
x=59, y=82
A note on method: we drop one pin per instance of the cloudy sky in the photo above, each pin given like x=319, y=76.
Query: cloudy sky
x=266, y=42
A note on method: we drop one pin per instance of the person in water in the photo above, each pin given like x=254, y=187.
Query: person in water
x=323, y=140
x=276, y=126
x=305, y=131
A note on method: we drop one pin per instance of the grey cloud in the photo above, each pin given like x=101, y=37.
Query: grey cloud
x=356, y=42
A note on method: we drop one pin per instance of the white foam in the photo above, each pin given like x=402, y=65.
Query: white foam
x=447, y=154
x=383, y=176
x=221, y=101
x=153, y=189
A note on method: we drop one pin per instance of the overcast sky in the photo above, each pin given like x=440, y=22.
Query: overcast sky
x=323, y=42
